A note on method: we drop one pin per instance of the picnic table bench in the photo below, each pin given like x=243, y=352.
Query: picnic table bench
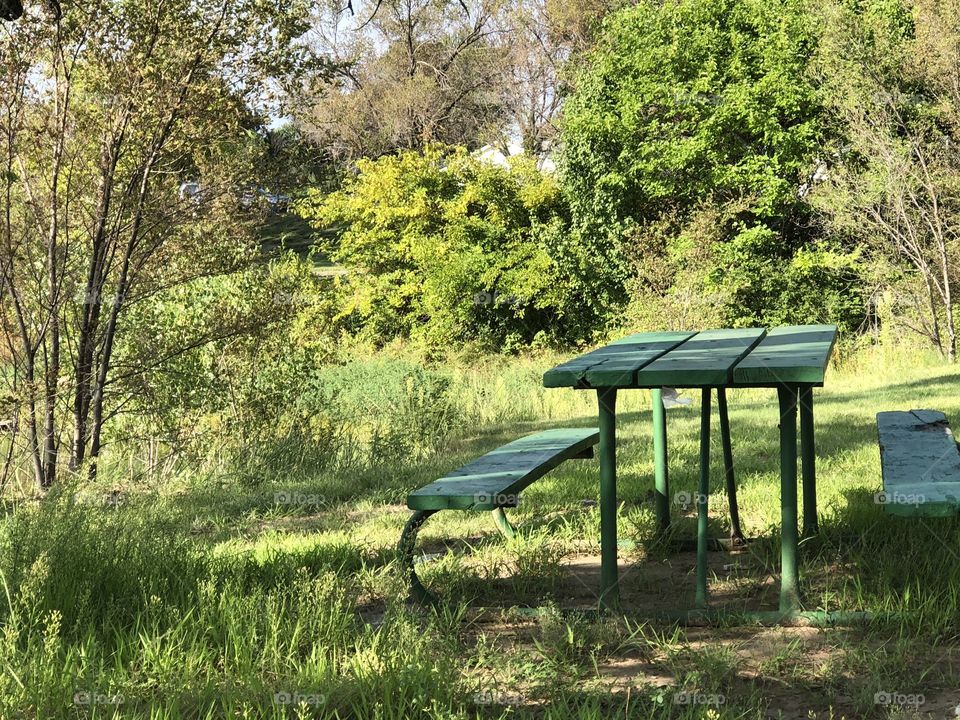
x=792, y=360
x=491, y=483
x=920, y=463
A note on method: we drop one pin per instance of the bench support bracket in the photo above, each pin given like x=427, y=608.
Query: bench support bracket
x=405, y=551
x=503, y=523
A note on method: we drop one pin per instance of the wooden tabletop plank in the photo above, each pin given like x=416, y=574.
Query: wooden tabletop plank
x=707, y=359
x=794, y=354
x=614, y=365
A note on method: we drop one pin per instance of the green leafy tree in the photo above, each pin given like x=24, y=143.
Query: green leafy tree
x=701, y=104
x=444, y=248
x=104, y=113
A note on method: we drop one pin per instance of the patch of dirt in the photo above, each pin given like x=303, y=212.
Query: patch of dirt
x=735, y=582
x=799, y=672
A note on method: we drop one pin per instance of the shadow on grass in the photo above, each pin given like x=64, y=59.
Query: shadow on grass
x=856, y=563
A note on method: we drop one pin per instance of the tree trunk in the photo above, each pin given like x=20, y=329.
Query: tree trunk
x=947, y=300
x=32, y=432
x=934, y=315
x=52, y=374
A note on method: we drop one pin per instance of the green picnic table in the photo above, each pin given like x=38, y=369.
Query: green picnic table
x=792, y=360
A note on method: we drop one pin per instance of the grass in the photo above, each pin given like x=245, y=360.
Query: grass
x=202, y=598
x=289, y=231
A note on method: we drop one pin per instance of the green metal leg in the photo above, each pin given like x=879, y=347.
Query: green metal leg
x=789, y=580
x=405, y=550
x=503, y=524
x=811, y=526
x=609, y=589
x=736, y=533
x=662, y=502
x=703, y=493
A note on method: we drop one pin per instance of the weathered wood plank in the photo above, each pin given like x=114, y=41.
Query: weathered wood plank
x=615, y=365
x=497, y=478
x=920, y=464
x=796, y=354
x=930, y=416
x=706, y=359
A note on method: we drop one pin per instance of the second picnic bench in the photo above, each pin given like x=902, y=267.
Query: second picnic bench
x=492, y=482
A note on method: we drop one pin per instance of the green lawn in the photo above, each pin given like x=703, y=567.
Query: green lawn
x=208, y=599
x=289, y=231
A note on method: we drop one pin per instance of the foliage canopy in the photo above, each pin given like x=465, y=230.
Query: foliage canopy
x=695, y=107
x=445, y=248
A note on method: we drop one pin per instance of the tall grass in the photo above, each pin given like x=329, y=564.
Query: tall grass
x=114, y=612
x=213, y=596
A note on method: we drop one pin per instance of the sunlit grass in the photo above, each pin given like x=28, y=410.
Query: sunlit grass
x=204, y=598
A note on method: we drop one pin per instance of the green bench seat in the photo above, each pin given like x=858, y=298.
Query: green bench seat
x=920, y=464
x=491, y=482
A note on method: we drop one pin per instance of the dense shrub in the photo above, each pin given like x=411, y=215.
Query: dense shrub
x=704, y=106
x=444, y=248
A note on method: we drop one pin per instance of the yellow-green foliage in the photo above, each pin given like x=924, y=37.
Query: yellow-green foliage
x=445, y=248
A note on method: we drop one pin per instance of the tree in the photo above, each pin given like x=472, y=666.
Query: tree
x=13, y=9
x=535, y=57
x=894, y=182
x=542, y=41
x=104, y=114
x=412, y=72
x=695, y=107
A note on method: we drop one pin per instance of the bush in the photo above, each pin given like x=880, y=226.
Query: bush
x=704, y=106
x=445, y=249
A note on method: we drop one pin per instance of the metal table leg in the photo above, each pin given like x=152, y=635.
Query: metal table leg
x=811, y=526
x=703, y=492
x=609, y=589
x=736, y=533
x=662, y=502
x=789, y=580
